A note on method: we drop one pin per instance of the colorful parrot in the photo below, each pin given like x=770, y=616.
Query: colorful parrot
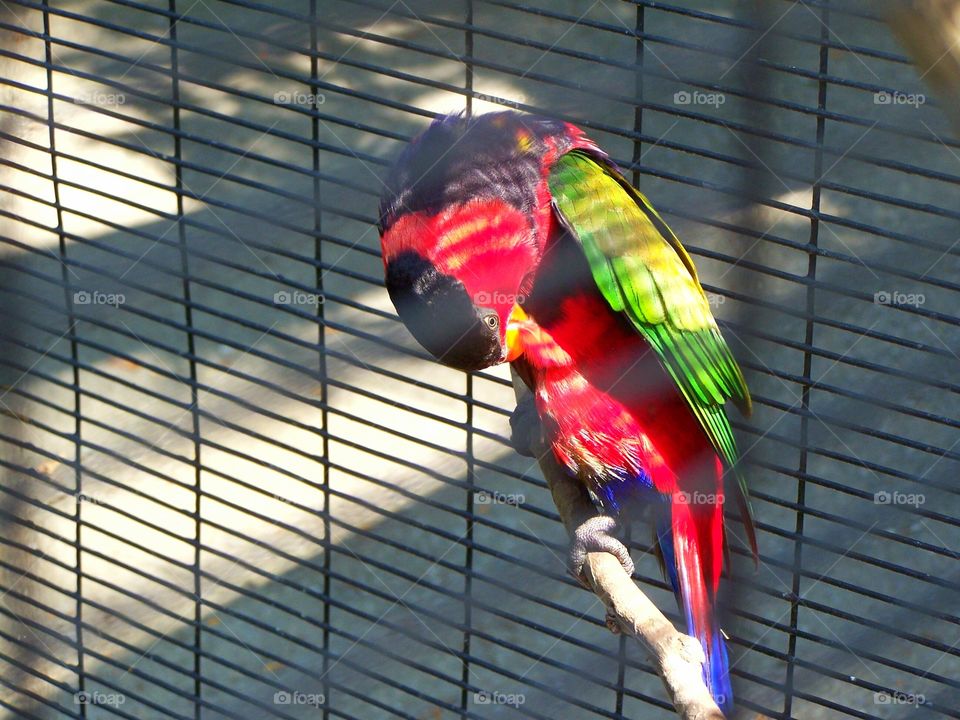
x=513, y=238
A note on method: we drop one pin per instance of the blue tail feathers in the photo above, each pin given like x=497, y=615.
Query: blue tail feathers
x=716, y=670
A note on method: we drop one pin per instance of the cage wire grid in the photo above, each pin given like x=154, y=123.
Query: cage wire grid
x=233, y=486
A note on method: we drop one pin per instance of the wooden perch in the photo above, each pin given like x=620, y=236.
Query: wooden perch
x=677, y=657
x=930, y=31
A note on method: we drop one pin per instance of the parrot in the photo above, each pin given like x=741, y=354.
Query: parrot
x=509, y=237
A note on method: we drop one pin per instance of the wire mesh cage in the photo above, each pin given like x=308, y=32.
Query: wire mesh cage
x=234, y=486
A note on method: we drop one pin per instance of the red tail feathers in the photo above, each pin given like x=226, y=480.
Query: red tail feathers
x=696, y=531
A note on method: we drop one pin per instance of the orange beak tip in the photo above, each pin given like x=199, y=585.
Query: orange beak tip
x=512, y=337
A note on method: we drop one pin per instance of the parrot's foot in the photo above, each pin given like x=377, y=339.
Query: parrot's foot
x=525, y=432
x=595, y=535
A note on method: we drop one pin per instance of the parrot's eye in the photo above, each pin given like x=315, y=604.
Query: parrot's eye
x=492, y=321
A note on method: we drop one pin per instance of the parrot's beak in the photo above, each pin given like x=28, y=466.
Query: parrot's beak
x=514, y=344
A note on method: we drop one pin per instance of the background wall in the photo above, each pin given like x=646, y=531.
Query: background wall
x=213, y=491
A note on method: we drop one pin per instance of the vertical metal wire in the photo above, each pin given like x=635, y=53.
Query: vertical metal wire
x=468, y=559
x=638, y=93
x=72, y=335
x=322, y=355
x=635, y=164
x=807, y=363
x=191, y=350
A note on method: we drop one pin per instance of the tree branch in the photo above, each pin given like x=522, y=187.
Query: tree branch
x=930, y=31
x=677, y=657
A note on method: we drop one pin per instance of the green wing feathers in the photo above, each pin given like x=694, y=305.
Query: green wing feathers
x=643, y=271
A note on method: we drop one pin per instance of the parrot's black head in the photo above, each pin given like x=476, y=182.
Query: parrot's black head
x=459, y=224
x=440, y=314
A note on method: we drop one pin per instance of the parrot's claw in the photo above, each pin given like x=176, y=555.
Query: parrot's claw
x=596, y=535
x=525, y=427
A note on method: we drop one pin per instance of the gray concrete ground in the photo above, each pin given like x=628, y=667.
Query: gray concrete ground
x=397, y=474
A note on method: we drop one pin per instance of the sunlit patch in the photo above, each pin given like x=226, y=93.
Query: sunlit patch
x=495, y=235
x=524, y=141
x=464, y=230
x=540, y=345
